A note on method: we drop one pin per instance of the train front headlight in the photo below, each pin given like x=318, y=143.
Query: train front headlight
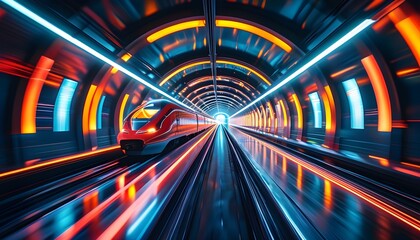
x=151, y=130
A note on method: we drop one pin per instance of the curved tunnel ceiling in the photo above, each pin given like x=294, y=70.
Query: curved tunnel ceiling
x=167, y=53
x=221, y=65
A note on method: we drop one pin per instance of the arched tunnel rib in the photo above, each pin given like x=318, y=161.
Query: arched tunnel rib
x=209, y=119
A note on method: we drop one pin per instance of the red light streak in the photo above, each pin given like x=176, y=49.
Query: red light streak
x=350, y=187
x=409, y=172
x=56, y=161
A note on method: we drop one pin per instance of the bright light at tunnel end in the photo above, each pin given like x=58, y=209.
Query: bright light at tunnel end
x=25, y=11
x=363, y=25
x=221, y=118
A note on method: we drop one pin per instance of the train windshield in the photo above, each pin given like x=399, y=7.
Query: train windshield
x=143, y=115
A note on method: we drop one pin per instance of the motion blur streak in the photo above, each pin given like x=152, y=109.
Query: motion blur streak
x=58, y=160
x=355, y=189
x=87, y=109
x=31, y=97
x=117, y=225
x=121, y=116
x=255, y=30
x=175, y=28
x=381, y=93
x=86, y=219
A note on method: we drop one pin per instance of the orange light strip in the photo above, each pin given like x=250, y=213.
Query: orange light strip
x=167, y=78
x=254, y=30
x=330, y=116
x=283, y=109
x=247, y=68
x=327, y=110
x=411, y=164
x=336, y=74
x=271, y=114
x=56, y=161
x=411, y=34
x=407, y=71
x=125, y=58
x=349, y=186
x=182, y=69
x=381, y=160
x=32, y=92
x=175, y=28
x=121, y=116
x=94, y=109
x=86, y=109
x=298, y=110
x=381, y=93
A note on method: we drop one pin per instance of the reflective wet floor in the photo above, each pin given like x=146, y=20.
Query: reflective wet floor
x=335, y=212
x=127, y=201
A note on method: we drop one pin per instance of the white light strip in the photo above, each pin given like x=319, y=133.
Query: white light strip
x=316, y=59
x=20, y=8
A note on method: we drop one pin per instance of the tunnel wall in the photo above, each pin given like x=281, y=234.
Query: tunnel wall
x=389, y=130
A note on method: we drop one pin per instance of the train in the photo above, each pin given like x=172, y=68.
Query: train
x=157, y=125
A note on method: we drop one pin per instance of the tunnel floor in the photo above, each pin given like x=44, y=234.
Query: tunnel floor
x=223, y=184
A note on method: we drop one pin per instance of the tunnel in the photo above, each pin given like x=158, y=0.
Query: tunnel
x=210, y=119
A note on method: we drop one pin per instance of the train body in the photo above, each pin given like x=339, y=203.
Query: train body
x=154, y=125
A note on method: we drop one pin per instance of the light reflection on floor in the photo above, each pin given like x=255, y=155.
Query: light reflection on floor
x=335, y=212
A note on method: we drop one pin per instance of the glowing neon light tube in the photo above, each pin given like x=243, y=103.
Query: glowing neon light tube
x=25, y=11
x=366, y=23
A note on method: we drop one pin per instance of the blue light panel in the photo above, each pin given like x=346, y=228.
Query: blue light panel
x=316, y=106
x=357, y=114
x=99, y=113
x=62, y=105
